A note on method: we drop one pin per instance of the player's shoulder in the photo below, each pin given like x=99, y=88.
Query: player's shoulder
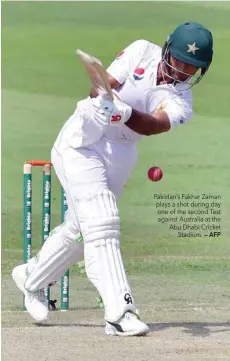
x=146, y=45
x=184, y=91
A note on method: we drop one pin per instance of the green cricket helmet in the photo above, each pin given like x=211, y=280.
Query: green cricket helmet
x=191, y=43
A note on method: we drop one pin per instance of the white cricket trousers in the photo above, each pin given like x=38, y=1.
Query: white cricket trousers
x=93, y=179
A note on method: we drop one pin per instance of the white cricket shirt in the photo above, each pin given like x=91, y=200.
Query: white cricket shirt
x=136, y=69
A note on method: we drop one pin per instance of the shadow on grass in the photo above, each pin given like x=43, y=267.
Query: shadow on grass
x=79, y=325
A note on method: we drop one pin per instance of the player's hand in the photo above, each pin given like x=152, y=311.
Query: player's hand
x=107, y=112
x=97, y=109
x=121, y=112
x=101, y=110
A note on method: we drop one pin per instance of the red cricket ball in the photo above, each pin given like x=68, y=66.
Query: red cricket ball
x=155, y=174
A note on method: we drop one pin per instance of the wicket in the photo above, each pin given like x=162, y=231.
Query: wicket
x=46, y=220
x=65, y=278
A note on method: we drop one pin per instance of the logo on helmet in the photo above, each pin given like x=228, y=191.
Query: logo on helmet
x=192, y=48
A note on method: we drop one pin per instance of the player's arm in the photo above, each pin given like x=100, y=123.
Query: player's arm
x=119, y=69
x=113, y=83
x=147, y=124
x=177, y=109
x=142, y=123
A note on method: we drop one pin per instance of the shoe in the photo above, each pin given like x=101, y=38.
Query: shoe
x=35, y=302
x=128, y=325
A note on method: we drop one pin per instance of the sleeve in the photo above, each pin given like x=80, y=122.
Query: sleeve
x=178, y=105
x=179, y=110
x=127, y=60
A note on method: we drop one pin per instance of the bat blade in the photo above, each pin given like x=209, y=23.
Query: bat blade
x=97, y=74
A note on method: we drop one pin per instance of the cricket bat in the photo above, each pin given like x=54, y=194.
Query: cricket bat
x=97, y=74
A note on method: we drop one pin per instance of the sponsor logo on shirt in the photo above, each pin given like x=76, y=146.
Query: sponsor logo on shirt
x=138, y=74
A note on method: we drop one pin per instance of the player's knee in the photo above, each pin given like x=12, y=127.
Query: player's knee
x=98, y=216
x=69, y=232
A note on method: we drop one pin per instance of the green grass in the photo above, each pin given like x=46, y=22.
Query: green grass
x=41, y=83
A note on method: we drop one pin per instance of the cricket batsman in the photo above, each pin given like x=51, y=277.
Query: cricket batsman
x=93, y=157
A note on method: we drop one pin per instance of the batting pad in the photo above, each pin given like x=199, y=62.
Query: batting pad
x=100, y=227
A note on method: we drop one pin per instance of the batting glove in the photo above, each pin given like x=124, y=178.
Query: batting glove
x=121, y=112
x=101, y=110
x=107, y=112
